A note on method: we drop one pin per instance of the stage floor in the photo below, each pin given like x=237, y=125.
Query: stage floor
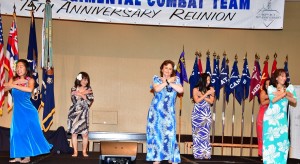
x=93, y=158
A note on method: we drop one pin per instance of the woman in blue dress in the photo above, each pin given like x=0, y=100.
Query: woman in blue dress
x=26, y=136
x=161, y=121
x=275, y=132
x=203, y=97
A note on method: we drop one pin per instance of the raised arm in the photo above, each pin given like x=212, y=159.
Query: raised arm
x=208, y=96
x=18, y=85
x=174, y=82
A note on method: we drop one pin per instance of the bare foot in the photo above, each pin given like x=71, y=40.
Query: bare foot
x=25, y=160
x=84, y=154
x=75, y=154
x=15, y=160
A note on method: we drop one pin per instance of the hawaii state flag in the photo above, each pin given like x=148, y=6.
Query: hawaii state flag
x=245, y=78
x=2, y=71
x=215, y=78
x=12, y=55
x=180, y=70
x=194, y=78
x=255, y=81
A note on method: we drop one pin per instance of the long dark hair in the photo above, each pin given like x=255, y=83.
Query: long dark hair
x=27, y=66
x=201, y=85
x=166, y=62
x=277, y=73
x=264, y=85
x=84, y=75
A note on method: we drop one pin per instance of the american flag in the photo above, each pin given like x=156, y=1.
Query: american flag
x=2, y=72
x=12, y=55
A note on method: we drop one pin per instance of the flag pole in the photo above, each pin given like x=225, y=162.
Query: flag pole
x=223, y=109
x=252, y=116
x=243, y=116
x=223, y=118
x=179, y=128
x=180, y=108
x=233, y=113
x=214, y=112
x=232, y=125
x=252, y=124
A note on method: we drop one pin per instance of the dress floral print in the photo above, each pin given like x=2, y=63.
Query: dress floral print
x=161, y=126
x=275, y=131
x=78, y=122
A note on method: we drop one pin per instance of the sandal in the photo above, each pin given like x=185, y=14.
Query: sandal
x=15, y=160
x=25, y=160
x=74, y=155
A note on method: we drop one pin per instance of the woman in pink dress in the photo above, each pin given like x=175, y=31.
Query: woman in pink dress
x=264, y=103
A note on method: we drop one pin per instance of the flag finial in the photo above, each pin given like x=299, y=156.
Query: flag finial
x=267, y=57
x=275, y=55
x=14, y=8
x=257, y=56
x=245, y=56
x=214, y=54
x=227, y=61
x=235, y=57
x=183, y=48
x=207, y=53
x=224, y=54
x=197, y=53
x=286, y=58
x=218, y=56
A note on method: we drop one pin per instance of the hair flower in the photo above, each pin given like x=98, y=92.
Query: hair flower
x=79, y=77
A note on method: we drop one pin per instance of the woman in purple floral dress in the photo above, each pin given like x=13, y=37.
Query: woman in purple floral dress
x=203, y=96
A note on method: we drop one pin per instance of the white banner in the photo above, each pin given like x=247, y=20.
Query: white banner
x=249, y=14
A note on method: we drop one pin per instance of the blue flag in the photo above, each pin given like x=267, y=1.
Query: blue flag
x=32, y=55
x=48, y=74
x=48, y=99
x=234, y=84
x=215, y=78
x=208, y=69
x=288, y=79
x=194, y=78
x=181, y=71
x=224, y=73
x=245, y=80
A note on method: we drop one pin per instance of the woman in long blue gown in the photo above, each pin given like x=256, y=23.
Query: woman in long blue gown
x=203, y=96
x=275, y=132
x=26, y=136
x=161, y=121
